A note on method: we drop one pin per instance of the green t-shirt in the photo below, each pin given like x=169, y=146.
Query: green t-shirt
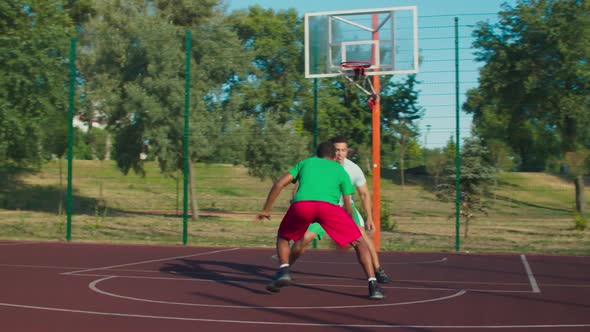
x=320, y=180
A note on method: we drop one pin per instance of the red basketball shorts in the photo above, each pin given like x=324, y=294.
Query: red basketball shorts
x=334, y=219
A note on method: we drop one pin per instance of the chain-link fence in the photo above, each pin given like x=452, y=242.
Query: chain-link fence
x=143, y=99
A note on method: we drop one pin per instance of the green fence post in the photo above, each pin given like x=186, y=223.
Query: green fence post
x=72, y=94
x=458, y=146
x=315, y=131
x=314, y=243
x=187, y=87
x=315, y=114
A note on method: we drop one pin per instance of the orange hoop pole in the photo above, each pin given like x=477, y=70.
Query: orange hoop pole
x=376, y=140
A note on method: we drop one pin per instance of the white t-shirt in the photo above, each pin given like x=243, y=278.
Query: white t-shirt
x=357, y=177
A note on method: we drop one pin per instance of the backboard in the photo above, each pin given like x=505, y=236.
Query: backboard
x=385, y=37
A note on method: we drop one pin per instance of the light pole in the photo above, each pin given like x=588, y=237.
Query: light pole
x=426, y=142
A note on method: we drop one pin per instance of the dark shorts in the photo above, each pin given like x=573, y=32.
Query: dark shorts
x=337, y=223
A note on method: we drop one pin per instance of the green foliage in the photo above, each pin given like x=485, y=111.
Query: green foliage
x=273, y=149
x=577, y=162
x=135, y=70
x=273, y=83
x=414, y=156
x=131, y=73
x=500, y=155
x=441, y=161
x=580, y=222
x=342, y=111
x=34, y=59
x=436, y=162
x=475, y=180
x=476, y=174
x=97, y=139
x=533, y=87
x=388, y=223
x=400, y=113
x=79, y=11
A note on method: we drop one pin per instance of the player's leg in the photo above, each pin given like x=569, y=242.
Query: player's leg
x=283, y=250
x=364, y=258
x=298, y=247
x=292, y=227
x=380, y=274
x=358, y=219
x=343, y=230
x=283, y=276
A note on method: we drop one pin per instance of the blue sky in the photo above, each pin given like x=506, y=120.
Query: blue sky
x=436, y=43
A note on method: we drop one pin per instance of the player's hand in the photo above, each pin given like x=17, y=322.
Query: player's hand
x=370, y=226
x=263, y=215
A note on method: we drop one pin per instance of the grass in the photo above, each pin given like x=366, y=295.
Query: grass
x=529, y=212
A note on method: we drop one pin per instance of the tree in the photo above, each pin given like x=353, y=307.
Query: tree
x=135, y=69
x=578, y=163
x=400, y=110
x=273, y=82
x=80, y=11
x=436, y=161
x=33, y=86
x=474, y=181
x=536, y=78
x=344, y=111
x=273, y=148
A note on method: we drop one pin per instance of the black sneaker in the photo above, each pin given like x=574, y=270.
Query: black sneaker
x=281, y=279
x=382, y=277
x=375, y=292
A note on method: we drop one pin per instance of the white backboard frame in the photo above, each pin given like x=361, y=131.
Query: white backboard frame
x=378, y=67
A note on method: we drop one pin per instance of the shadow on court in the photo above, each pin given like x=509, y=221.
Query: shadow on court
x=248, y=277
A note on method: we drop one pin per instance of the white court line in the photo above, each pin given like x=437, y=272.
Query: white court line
x=397, y=326
x=444, y=259
x=299, y=277
x=151, y=261
x=529, y=273
x=93, y=286
x=253, y=281
x=192, y=279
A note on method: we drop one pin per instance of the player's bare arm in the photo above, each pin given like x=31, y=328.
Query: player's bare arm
x=274, y=192
x=367, y=206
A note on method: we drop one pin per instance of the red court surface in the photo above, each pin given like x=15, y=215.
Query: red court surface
x=69, y=287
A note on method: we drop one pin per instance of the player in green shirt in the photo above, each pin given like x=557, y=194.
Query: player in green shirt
x=315, y=230
x=322, y=181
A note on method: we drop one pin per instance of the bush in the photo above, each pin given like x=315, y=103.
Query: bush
x=580, y=222
x=387, y=222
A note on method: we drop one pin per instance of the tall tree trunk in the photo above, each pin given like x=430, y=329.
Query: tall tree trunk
x=91, y=139
x=402, y=166
x=60, y=208
x=467, y=220
x=191, y=187
x=177, y=179
x=580, y=201
x=107, y=147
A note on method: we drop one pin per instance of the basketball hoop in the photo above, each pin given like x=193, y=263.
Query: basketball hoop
x=359, y=77
x=359, y=68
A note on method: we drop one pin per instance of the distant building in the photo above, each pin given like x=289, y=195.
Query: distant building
x=81, y=122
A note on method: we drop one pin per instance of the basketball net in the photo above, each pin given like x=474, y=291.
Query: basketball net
x=359, y=78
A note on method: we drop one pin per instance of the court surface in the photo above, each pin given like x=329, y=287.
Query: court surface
x=71, y=287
